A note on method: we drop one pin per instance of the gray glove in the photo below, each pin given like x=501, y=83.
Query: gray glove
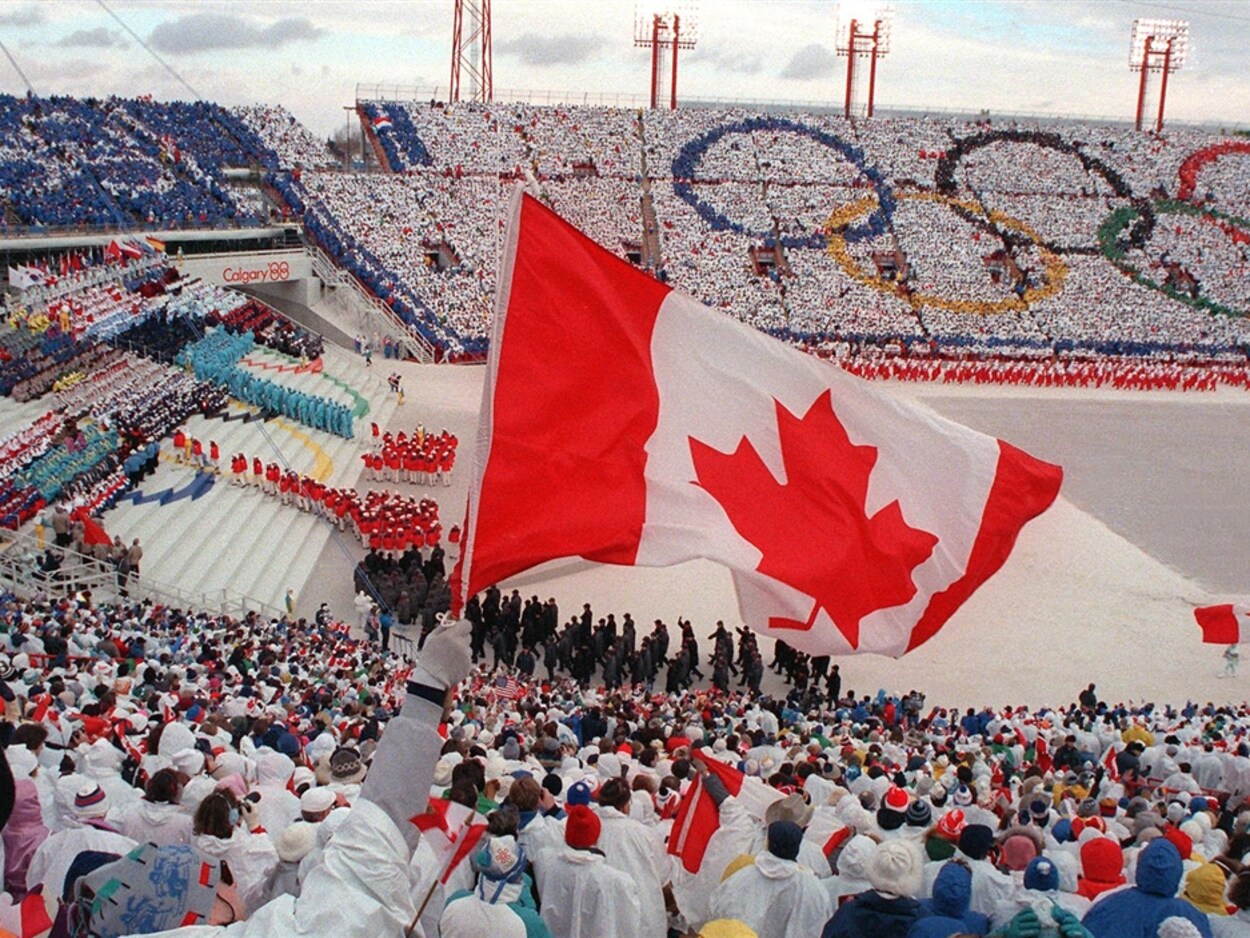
x=402, y=771
x=445, y=659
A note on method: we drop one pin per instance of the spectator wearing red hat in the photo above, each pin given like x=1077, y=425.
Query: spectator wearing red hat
x=1102, y=867
x=582, y=894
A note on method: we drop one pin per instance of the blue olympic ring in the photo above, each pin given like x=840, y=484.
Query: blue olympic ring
x=687, y=161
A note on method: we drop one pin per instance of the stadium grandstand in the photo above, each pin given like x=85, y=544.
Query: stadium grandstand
x=923, y=238
x=248, y=408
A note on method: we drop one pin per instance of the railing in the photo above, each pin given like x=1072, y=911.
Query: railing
x=367, y=304
x=18, y=569
x=387, y=92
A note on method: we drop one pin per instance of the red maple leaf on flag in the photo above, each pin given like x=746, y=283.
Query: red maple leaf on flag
x=813, y=529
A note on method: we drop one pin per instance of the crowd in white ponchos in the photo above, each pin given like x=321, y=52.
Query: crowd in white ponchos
x=278, y=750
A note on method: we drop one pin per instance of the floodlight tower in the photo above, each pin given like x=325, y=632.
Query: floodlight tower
x=1157, y=46
x=861, y=36
x=476, y=42
x=665, y=32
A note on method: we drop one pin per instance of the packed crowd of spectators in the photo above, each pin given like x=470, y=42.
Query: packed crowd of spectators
x=290, y=141
x=943, y=201
x=70, y=162
x=100, y=344
x=1052, y=373
x=947, y=235
x=143, y=744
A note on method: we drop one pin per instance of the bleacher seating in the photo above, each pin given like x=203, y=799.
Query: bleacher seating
x=921, y=237
x=290, y=141
x=70, y=162
x=1001, y=229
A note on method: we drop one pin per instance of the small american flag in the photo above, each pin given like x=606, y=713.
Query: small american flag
x=507, y=687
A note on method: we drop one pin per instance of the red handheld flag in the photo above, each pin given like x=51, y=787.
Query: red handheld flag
x=1225, y=624
x=699, y=817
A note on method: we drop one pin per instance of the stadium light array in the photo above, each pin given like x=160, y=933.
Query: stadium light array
x=665, y=31
x=1160, y=47
x=863, y=31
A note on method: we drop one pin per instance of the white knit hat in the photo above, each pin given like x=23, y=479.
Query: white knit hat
x=897, y=868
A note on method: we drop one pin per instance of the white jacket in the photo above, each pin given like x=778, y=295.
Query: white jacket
x=584, y=897
x=155, y=822
x=776, y=897
x=361, y=890
x=471, y=917
x=539, y=834
x=52, y=860
x=635, y=850
x=252, y=860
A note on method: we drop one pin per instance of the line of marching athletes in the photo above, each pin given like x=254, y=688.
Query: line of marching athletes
x=382, y=521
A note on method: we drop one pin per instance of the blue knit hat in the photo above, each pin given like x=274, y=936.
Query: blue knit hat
x=1063, y=830
x=1041, y=874
x=579, y=794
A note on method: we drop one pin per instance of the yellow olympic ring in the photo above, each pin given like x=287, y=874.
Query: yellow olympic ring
x=1056, y=269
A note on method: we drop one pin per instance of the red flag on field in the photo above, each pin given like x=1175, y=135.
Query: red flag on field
x=699, y=817
x=1224, y=625
x=851, y=522
x=113, y=251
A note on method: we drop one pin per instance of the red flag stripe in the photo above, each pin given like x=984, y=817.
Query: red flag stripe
x=586, y=495
x=684, y=819
x=698, y=818
x=464, y=847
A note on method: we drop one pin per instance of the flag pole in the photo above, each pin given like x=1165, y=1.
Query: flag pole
x=464, y=829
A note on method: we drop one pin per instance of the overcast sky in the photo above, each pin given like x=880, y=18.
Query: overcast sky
x=1024, y=55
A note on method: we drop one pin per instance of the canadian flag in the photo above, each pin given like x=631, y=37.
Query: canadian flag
x=626, y=423
x=698, y=817
x=453, y=831
x=1224, y=625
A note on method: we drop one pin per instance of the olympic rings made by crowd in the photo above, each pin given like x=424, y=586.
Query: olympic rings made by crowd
x=1196, y=161
x=944, y=176
x=685, y=169
x=1113, y=248
x=1056, y=269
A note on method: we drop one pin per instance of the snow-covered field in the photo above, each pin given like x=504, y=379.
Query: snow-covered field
x=1154, y=520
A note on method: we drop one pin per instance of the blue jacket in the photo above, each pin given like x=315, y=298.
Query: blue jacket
x=872, y=915
x=948, y=912
x=1138, y=912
